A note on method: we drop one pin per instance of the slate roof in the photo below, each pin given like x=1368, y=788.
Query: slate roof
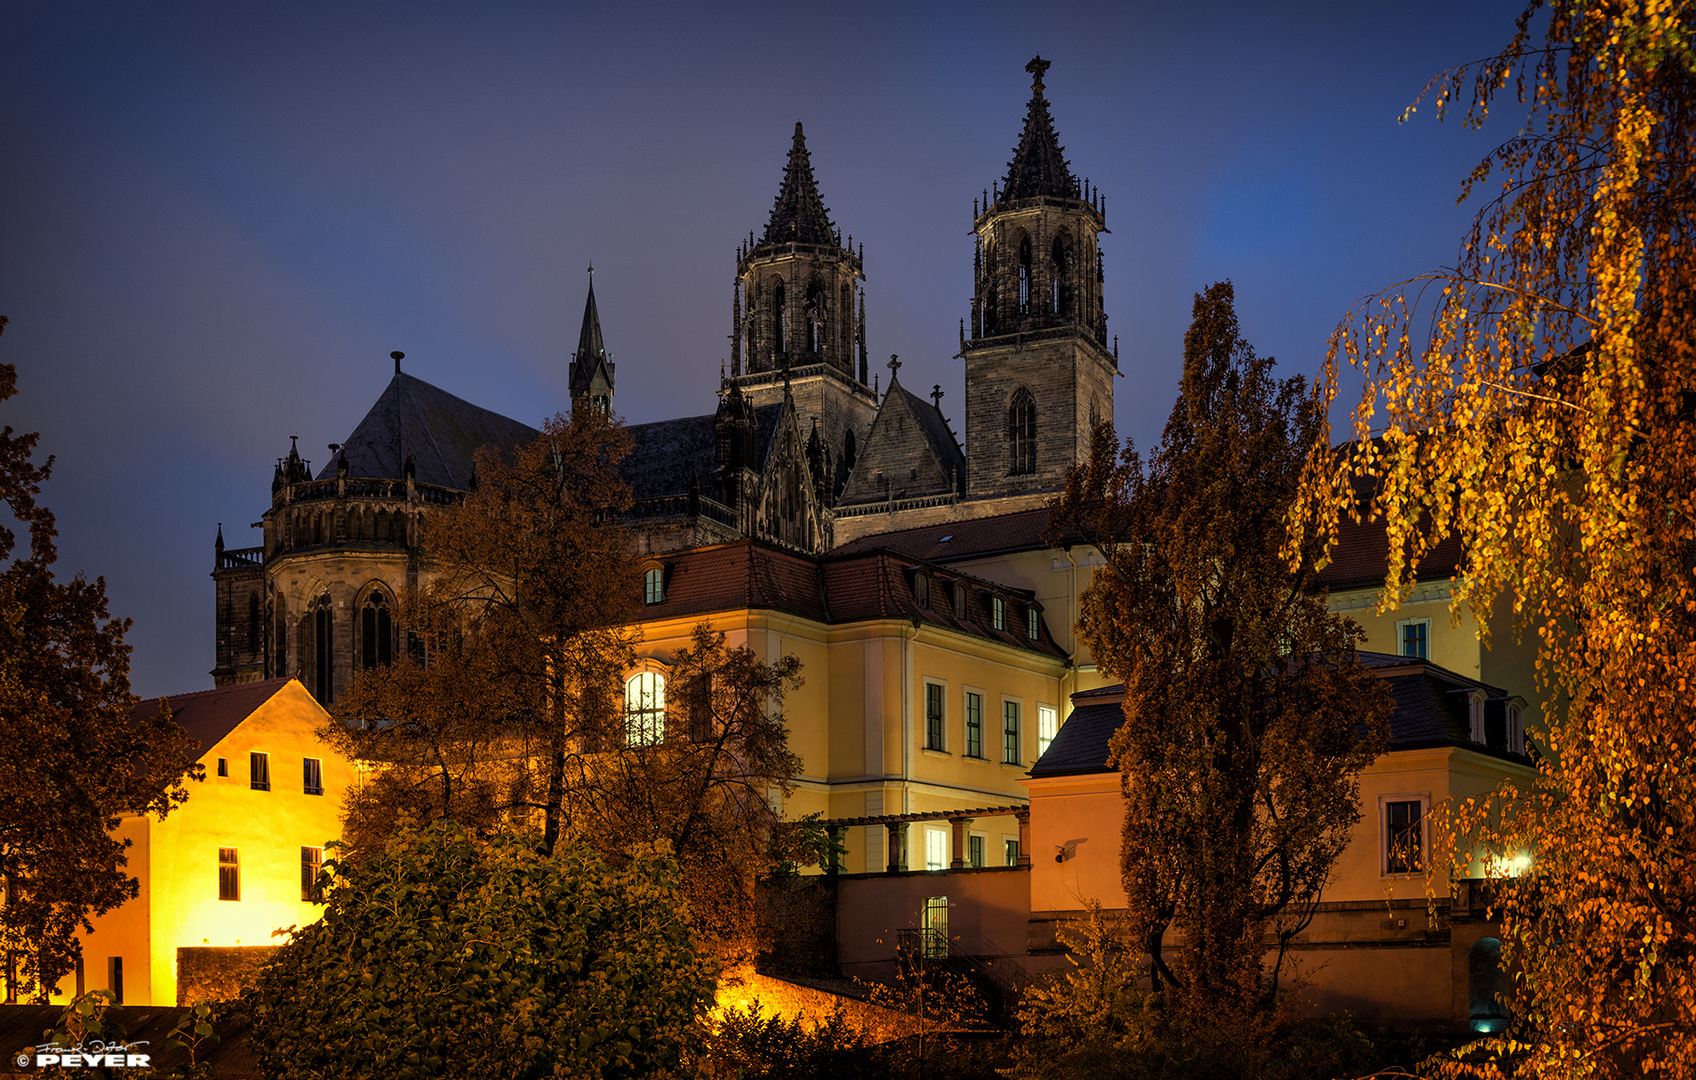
x=1430, y=709
x=835, y=590
x=1362, y=556
x=1039, y=163
x=441, y=432
x=799, y=215
x=209, y=715
x=667, y=453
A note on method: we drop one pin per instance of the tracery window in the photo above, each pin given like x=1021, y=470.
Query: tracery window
x=644, y=709
x=323, y=651
x=777, y=314
x=376, y=631
x=1021, y=433
x=1025, y=276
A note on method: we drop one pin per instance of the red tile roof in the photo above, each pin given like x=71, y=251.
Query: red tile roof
x=210, y=715
x=1361, y=557
x=974, y=537
x=836, y=589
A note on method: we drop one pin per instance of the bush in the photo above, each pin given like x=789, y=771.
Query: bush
x=448, y=955
x=747, y=1044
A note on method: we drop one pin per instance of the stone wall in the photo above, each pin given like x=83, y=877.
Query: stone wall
x=214, y=973
x=800, y=915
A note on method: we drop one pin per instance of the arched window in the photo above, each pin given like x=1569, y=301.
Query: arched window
x=815, y=316
x=253, y=624
x=848, y=452
x=1025, y=275
x=1059, y=286
x=323, y=651
x=1021, y=433
x=749, y=322
x=376, y=631
x=777, y=318
x=644, y=709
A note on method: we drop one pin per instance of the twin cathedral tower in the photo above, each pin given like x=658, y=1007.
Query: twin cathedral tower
x=803, y=451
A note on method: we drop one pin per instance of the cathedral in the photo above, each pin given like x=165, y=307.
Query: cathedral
x=805, y=451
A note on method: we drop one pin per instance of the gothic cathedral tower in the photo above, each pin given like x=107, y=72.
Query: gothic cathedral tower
x=1038, y=370
x=800, y=321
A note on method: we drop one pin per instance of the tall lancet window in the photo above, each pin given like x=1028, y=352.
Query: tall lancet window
x=777, y=313
x=1021, y=433
x=815, y=317
x=376, y=631
x=1059, y=288
x=323, y=651
x=1025, y=276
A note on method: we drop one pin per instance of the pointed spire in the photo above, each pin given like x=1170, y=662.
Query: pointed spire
x=591, y=371
x=1039, y=164
x=589, y=343
x=799, y=216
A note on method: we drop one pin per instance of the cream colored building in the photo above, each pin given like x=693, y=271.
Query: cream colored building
x=235, y=862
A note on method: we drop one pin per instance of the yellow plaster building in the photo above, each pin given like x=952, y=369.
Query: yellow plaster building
x=235, y=862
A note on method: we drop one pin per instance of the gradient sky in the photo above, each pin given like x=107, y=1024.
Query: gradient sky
x=217, y=219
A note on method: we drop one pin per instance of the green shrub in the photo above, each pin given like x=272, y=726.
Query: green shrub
x=448, y=955
x=748, y=1044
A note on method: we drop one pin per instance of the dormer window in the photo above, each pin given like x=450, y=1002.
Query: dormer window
x=921, y=589
x=960, y=600
x=1475, y=716
x=1032, y=623
x=998, y=613
x=1516, y=727
x=653, y=585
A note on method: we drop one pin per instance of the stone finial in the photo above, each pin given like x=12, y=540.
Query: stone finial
x=894, y=365
x=1036, y=67
x=397, y=356
x=936, y=396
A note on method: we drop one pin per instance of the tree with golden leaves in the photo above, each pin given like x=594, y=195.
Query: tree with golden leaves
x=1248, y=717
x=1538, y=400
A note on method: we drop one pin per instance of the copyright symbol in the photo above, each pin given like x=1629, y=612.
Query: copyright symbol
x=23, y=1061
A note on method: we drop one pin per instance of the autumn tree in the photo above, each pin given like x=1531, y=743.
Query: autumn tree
x=1247, y=715
x=1538, y=401
x=511, y=710
x=72, y=762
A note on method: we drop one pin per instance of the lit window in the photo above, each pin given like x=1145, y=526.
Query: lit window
x=229, y=874
x=974, y=725
x=644, y=709
x=311, y=862
x=934, y=927
x=1404, y=836
x=936, y=849
x=1010, y=732
x=1415, y=638
x=653, y=586
x=312, y=776
x=1010, y=850
x=998, y=613
x=1032, y=623
x=1047, y=726
x=259, y=771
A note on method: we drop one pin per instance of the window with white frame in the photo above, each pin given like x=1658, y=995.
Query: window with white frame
x=935, y=718
x=936, y=849
x=1413, y=638
x=1402, y=833
x=653, y=586
x=644, y=709
x=1475, y=717
x=1033, y=624
x=998, y=613
x=974, y=724
x=1010, y=732
x=1516, y=727
x=976, y=846
x=1010, y=850
x=1047, y=726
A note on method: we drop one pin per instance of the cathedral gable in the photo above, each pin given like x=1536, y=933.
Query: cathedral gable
x=910, y=453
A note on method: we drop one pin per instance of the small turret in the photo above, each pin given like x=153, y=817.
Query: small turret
x=591, y=374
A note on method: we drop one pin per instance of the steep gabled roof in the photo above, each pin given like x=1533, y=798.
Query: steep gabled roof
x=666, y=454
x=799, y=215
x=925, y=460
x=439, y=430
x=1039, y=164
x=210, y=715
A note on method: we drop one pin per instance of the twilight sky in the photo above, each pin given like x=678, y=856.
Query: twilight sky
x=218, y=219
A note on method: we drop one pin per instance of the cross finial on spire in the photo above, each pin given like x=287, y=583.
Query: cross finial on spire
x=936, y=396
x=893, y=365
x=1036, y=67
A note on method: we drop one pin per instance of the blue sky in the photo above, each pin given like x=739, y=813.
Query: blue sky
x=218, y=219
